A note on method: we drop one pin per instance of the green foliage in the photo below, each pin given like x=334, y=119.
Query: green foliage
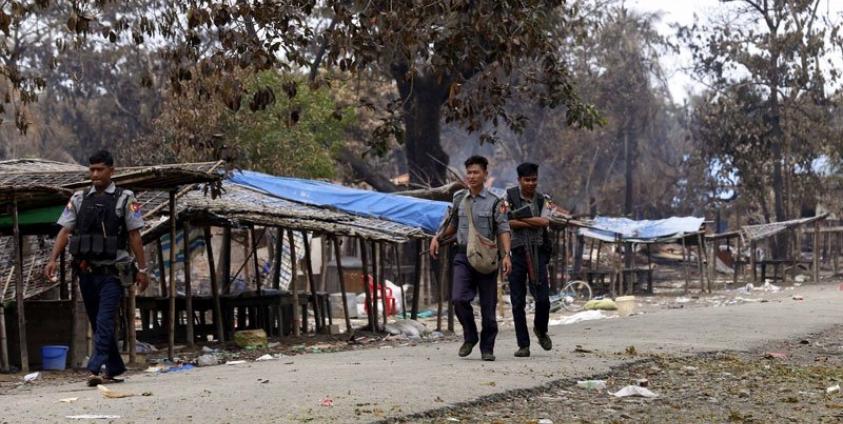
x=295, y=134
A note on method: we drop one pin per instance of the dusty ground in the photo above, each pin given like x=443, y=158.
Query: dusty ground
x=781, y=382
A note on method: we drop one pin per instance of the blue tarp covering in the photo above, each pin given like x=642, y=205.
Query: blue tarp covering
x=410, y=211
x=607, y=229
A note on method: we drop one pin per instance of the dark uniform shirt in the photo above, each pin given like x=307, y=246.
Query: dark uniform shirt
x=130, y=212
x=488, y=213
x=534, y=235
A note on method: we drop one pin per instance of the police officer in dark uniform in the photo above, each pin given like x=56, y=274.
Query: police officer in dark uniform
x=101, y=225
x=529, y=213
x=489, y=216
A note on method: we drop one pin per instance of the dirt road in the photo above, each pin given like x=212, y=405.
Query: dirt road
x=376, y=384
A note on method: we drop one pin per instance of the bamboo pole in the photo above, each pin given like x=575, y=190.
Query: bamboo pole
x=131, y=334
x=816, y=255
x=737, y=261
x=215, y=286
x=443, y=271
x=685, y=259
x=701, y=257
x=364, y=274
x=293, y=287
x=752, y=249
x=64, y=293
x=323, y=268
x=162, y=271
x=255, y=244
x=375, y=285
x=279, y=254
x=397, y=264
x=342, y=284
x=418, y=277
x=382, y=267
x=308, y=261
x=74, y=330
x=188, y=290
x=4, y=343
x=19, y=288
x=171, y=328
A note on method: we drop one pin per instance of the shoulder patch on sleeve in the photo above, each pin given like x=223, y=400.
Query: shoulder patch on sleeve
x=135, y=209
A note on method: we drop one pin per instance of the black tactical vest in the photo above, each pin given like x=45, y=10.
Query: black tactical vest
x=99, y=233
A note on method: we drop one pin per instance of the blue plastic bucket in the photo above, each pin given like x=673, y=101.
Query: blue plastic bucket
x=54, y=357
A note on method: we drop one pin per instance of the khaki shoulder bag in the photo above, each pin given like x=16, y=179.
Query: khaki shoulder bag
x=482, y=253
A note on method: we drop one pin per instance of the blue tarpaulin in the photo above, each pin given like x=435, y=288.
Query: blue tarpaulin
x=610, y=229
x=410, y=211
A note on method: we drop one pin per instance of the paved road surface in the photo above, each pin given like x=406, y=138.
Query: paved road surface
x=394, y=382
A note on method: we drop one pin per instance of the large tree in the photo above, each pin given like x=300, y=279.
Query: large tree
x=766, y=111
x=450, y=60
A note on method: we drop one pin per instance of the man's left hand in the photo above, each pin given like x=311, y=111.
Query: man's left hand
x=142, y=280
x=506, y=265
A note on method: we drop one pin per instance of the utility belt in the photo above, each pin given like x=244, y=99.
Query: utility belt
x=124, y=271
x=95, y=246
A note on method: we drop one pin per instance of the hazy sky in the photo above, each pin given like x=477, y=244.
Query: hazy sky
x=682, y=12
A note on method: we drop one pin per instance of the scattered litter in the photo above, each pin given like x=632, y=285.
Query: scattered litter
x=544, y=421
x=771, y=288
x=800, y=278
x=635, y=391
x=798, y=297
x=273, y=345
x=178, y=368
x=235, y=362
x=689, y=370
x=682, y=300
x=156, y=369
x=206, y=349
x=631, y=351
x=92, y=417
x=147, y=394
x=407, y=327
x=580, y=349
x=592, y=384
x=453, y=420
x=600, y=304
x=833, y=389
x=642, y=382
x=266, y=357
x=579, y=317
x=111, y=394
x=69, y=400
x=775, y=355
x=425, y=314
x=207, y=360
x=328, y=402
x=29, y=378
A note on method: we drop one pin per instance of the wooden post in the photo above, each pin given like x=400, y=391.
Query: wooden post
x=443, y=275
x=752, y=249
x=279, y=255
x=835, y=252
x=225, y=258
x=418, y=279
x=323, y=269
x=364, y=262
x=255, y=243
x=701, y=256
x=685, y=259
x=188, y=290
x=308, y=261
x=19, y=288
x=737, y=260
x=382, y=267
x=293, y=287
x=712, y=266
x=398, y=279
x=338, y=255
x=215, y=286
x=4, y=343
x=171, y=327
x=450, y=289
x=375, y=285
x=816, y=255
x=75, y=357
x=131, y=336
x=162, y=271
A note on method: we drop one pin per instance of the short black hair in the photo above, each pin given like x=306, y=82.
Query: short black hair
x=527, y=169
x=477, y=160
x=102, y=156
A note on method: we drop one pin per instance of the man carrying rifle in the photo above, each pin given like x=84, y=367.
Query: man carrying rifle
x=529, y=213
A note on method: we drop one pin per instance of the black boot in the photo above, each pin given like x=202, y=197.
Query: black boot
x=523, y=352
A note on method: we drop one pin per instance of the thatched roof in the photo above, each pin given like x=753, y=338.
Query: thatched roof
x=240, y=205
